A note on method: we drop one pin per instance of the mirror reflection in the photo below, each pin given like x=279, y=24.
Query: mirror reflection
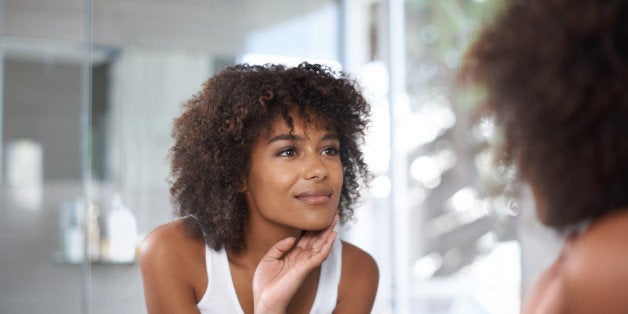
x=439, y=225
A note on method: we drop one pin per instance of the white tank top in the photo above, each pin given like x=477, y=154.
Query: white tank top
x=220, y=295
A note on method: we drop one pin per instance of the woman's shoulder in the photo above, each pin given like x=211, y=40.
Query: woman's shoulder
x=604, y=241
x=358, y=266
x=359, y=280
x=353, y=256
x=170, y=257
x=596, y=273
x=172, y=267
x=170, y=239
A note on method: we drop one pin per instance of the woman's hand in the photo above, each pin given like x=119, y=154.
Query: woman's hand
x=282, y=270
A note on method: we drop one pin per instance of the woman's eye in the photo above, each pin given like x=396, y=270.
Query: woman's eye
x=287, y=152
x=331, y=151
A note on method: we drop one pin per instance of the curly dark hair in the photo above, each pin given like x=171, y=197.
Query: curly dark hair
x=215, y=134
x=556, y=76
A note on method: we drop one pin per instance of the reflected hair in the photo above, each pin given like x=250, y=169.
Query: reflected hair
x=556, y=73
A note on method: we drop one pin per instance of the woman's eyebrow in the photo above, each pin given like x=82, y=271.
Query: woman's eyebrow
x=285, y=137
x=296, y=138
x=330, y=137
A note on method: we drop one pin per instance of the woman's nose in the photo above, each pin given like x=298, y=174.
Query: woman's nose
x=315, y=169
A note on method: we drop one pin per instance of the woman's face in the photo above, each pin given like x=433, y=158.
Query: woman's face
x=295, y=178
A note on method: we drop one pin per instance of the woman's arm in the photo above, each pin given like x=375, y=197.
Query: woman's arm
x=169, y=261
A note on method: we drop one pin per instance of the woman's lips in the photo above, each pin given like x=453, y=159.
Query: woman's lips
x=315, y=197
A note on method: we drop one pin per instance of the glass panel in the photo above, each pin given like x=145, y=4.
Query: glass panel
x=465, y=257
x=41, y=158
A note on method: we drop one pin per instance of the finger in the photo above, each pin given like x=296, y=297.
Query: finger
x=323, y=251
x=317, y=242
x=311, y=239
x=306, y=240
x=309, y=259
x=281, y=247
x=332, y=225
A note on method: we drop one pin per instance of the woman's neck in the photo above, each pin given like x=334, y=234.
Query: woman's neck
x=260, y=236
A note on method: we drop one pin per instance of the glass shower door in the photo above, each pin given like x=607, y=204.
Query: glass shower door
x=40, y=262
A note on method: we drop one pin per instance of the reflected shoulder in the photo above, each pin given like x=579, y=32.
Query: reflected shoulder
x=595, y=273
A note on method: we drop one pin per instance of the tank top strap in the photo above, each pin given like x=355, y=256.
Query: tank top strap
x=220, y=295
x=327, y=291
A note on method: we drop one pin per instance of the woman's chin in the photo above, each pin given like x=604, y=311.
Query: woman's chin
x=317, y=224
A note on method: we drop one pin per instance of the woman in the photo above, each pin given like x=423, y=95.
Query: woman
x=266, y=160
x=556, y=72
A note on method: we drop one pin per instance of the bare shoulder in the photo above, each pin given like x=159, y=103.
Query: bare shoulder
x=595, y=274
x=173, y=268
x=357, y=260
x=169, y=242
x=358, y=282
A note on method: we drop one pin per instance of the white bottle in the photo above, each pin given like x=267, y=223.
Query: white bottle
x=93, y=232
x=121, y=233
x=72, y=234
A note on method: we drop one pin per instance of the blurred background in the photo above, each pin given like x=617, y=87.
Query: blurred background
x=89, y=92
